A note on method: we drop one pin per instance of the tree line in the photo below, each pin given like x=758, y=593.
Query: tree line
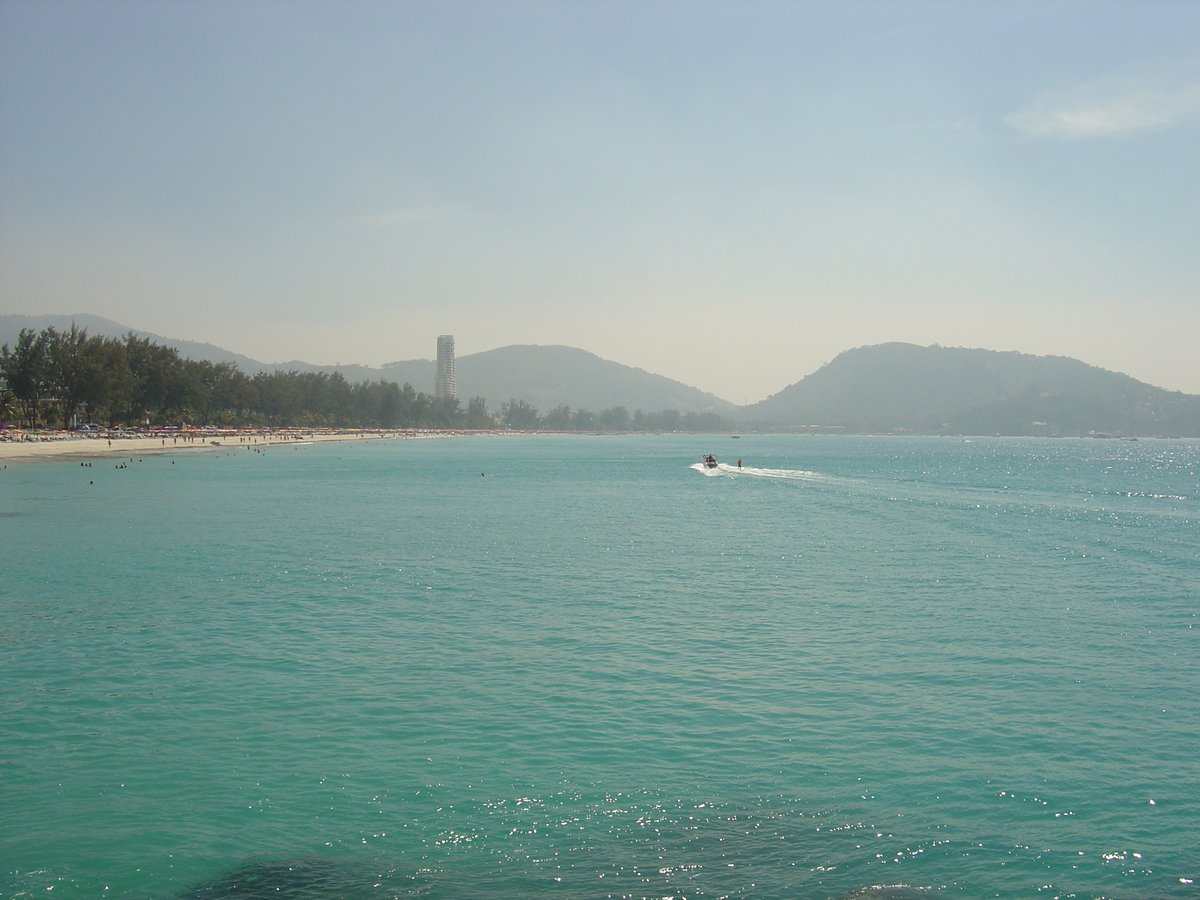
x=520, y=415
x=70, y=377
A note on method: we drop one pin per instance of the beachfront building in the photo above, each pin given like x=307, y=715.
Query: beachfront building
x=445, y=385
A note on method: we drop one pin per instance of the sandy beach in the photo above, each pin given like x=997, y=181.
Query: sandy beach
x=43, y=446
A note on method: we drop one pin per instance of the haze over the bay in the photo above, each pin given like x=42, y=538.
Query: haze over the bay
x=728, y=194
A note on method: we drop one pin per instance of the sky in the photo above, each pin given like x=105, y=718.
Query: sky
x=726, y=193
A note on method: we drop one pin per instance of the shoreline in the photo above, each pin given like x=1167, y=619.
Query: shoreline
x=48, y=447
x=21, y=447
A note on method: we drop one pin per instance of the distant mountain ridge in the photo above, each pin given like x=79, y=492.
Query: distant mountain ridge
x=551, y=375
x=11, y=327
x=543, y=376
x=890, y=388
x=547, y=376
x=943, y=390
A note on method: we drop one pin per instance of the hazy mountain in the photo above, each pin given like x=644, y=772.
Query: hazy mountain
x=903, y=387
x=11, y=327
x=883, y=388
x=552, y=375
x=542, y=376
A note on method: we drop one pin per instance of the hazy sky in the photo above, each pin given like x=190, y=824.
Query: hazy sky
x=729, y=194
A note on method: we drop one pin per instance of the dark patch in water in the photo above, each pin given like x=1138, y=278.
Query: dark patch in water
x=316, y=878
x=12, y=515
x=299, y=879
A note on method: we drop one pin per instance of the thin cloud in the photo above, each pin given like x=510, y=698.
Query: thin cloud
x=1126, y=101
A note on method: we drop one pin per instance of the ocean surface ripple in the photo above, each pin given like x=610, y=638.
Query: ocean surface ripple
x=856, y=667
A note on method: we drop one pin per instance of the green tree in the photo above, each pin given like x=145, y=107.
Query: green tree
x=207, y=389
x=477, y=413
x=279, y=398
x=584, y=420
x=519, y=415
x=228, y=388
x=703, y=422
x=111, y=388
x=615, y=418
x=446, y=413
x=26, y=369
x=558, y=419
x=71, y=369
x=408, y=401
x=156, y=380
x=388, y=403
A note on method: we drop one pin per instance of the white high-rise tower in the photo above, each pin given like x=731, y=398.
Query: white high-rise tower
x=445, y=385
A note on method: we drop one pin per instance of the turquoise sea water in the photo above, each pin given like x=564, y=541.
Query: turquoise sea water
x=899, y=666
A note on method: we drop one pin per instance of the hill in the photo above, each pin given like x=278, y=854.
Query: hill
x=883, y=388
x=544, y=377
x=549, y=376
x=941, y=390
x=11, y=327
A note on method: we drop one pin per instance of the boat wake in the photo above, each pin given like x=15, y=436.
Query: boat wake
x=753, y=472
